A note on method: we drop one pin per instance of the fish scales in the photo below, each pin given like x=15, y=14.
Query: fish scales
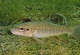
x=39, y=29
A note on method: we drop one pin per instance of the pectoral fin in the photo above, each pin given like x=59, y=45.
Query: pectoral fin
x=39, y=41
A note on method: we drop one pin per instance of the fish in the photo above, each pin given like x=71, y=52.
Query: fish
x=40, y=29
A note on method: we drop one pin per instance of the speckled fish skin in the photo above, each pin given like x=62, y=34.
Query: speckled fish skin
x=40, y=29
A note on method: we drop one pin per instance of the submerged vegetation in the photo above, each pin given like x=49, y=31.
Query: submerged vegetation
x=63, y=12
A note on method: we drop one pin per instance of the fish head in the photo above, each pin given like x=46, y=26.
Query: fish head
x=22, y=30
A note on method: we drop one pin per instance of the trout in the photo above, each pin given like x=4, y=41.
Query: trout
x=44, y=29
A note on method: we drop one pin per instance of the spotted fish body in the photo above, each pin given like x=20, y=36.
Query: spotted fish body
x=40, y=29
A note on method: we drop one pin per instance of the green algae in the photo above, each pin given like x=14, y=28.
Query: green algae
x=14, y=11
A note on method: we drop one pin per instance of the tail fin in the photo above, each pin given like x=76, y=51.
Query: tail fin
x=76, y=32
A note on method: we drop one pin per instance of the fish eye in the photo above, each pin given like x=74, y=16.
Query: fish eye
x=21, y=28
x=27, y=29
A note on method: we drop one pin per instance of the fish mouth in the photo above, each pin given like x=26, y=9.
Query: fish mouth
x=15, y=32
